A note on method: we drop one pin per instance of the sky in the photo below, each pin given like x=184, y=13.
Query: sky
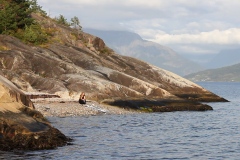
x=194, y=27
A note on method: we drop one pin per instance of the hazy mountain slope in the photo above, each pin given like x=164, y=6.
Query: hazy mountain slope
x=202, y=59
x=131, y=44
x=224, y=74
x=224, y=58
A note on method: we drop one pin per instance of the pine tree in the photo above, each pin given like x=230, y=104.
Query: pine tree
x=23, y=13
x=36, y=8
x=16, y=20
x=62, y=20
x=75, y=23
x=7, y=15
x=14, y=14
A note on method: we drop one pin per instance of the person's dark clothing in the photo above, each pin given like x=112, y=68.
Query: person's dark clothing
x=82, y=101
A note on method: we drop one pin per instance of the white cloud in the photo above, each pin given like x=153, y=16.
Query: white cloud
x=190, y=23
x=201, y=43
x=230, y=36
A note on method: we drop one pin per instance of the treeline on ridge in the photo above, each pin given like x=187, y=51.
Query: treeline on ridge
x=16, y=20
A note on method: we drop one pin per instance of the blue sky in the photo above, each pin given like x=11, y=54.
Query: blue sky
x=187, y=26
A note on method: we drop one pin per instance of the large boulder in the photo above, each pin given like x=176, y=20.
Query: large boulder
x=67, y=70
x=22, y=127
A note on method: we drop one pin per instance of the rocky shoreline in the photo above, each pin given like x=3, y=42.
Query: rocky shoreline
x=57, y=107
x=23, y=125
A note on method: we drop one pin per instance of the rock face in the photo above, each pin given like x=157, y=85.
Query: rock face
x=68, y=70
x=78, y=62
x=21, y=127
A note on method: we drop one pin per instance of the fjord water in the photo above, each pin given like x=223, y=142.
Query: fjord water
x=173, y=135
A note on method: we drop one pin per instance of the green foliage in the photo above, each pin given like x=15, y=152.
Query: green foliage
x=16, y=20
x=4, y=48
x=75, y=23
x=34, y=34
x=17, y=13
x=34, y=7
x=14, y=15
x=22, y=12
x=106, y=51
x=62, y=20
x=146, y=109
x=7, y=18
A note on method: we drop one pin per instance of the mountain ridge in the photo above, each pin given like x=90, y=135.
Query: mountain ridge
x=224, y=74
x=224, y=58
x=131, y=44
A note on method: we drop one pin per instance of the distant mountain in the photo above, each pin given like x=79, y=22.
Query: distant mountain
x=131, y=44
x=224, y=58
x=224, y=74
x=202, y=59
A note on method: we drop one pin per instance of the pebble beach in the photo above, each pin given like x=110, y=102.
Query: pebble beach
x=63, y=108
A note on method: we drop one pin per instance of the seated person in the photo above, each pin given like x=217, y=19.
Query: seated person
x=82, y=98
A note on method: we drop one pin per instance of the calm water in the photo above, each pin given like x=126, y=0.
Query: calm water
x=175, y=135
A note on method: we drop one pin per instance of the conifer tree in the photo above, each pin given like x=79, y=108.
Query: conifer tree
x=75, y=23
x=7, y=16
x=16, y=20
x=23, y=12
x=14, y=14
x=62, y=20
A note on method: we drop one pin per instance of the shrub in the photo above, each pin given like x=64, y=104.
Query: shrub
x=34, y=34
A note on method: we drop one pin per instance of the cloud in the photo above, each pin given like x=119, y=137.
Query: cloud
x=230, y=36
x=200, y=43
x=189, y=23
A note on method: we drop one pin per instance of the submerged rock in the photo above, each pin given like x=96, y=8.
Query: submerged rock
x=22, y=127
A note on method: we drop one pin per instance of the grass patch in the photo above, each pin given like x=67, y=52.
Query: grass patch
x=4, y=48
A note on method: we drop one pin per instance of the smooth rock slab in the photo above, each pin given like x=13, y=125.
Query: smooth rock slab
x=21, y=126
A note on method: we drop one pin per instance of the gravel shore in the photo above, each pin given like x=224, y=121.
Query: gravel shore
x=63, y=108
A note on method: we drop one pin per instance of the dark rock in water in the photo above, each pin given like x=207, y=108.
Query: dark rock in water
x=181, y=106
x=22, y=127
x=159, y=105
x=49, y=139
x=207, y=97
